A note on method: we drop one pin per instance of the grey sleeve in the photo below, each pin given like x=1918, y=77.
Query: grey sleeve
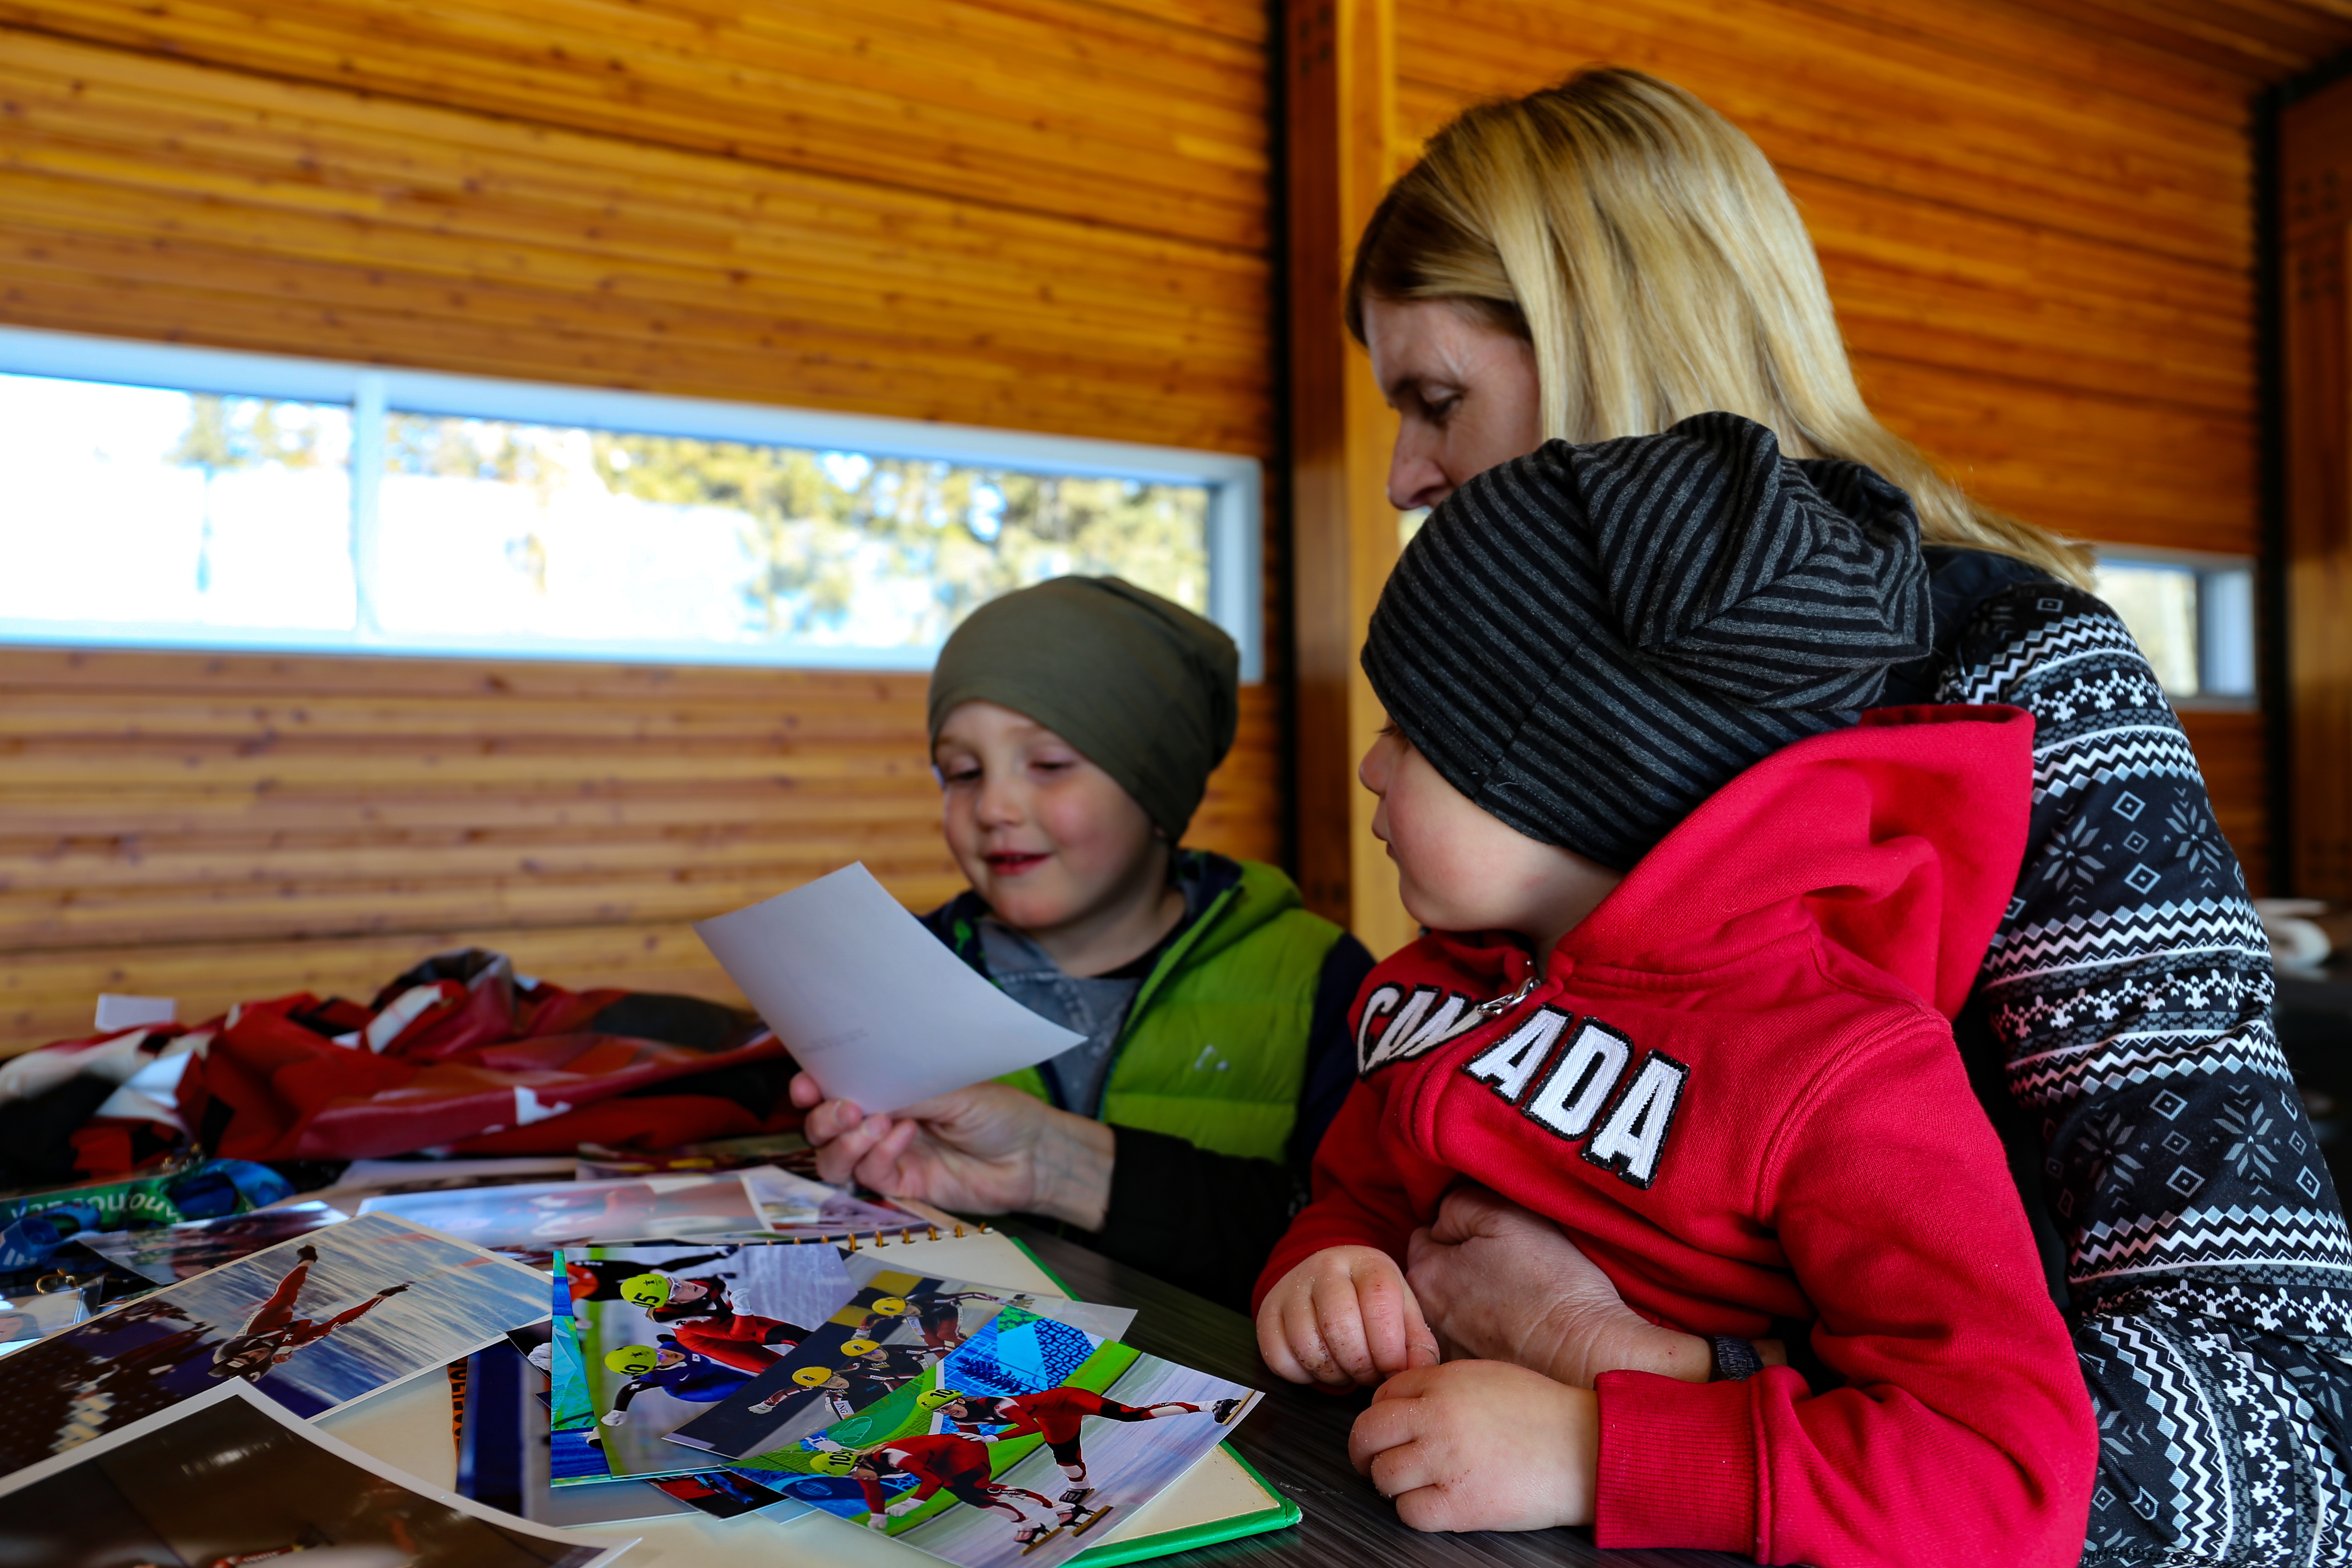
x=2130, y=987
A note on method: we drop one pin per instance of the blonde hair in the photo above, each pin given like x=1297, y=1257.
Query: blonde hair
x=1647, y=251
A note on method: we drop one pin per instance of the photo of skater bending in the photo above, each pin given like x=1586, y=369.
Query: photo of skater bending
x=274, y=1333
x=948, y=1462
x=1056, y=1415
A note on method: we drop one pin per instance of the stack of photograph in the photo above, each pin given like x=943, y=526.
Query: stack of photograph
x=616, y=1360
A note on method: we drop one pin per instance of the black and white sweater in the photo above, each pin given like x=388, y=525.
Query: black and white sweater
x=2128, y=993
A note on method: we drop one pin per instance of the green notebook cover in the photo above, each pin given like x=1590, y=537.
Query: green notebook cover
x=1279, y=1514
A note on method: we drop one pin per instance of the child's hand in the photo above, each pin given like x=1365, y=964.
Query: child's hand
x=985, y=1149
x=1344, y=1318
x=1479, y=1445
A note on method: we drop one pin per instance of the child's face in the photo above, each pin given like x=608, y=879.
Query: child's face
x=1047, y=838
x=1459, y=868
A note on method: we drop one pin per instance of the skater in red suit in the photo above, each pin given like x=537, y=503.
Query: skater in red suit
x=1056, y=1413
x=948, y=1463
x=274, y=1333
x=738, y=1339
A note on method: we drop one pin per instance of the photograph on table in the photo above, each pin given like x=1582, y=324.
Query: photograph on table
x=314, y=1324
x=657, y=1334
x=794, y=1206
x=503, y=1440
x=722, y=1494
x=896, y=1323
x=184, y=1251
x=566, y=1213
x=1013, y=1453
x=231, y=1477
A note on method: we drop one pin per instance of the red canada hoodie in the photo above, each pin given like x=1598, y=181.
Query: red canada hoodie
x=1735, y=1088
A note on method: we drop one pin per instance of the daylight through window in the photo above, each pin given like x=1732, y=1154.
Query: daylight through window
x=174, y=497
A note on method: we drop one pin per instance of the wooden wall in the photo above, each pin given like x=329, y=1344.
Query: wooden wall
x=2314, y=174
x=1045, y=215
x=2037, y=223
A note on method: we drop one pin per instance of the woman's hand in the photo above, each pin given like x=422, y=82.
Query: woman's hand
x=1475, y=1445
x=1502, y=1283
x=987, y=1149
x=1343, y=1318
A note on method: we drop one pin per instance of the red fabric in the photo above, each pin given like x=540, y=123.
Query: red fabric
x=484, y=1067
x=1788, y=949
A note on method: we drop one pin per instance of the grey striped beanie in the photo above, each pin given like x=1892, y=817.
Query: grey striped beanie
x=1588, y=641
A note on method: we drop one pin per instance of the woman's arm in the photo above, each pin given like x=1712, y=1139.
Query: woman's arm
x=2129, y=988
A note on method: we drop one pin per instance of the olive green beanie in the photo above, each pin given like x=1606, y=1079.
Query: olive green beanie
x=1145, y=688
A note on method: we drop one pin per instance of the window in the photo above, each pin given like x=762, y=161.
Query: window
x=165, y=496
x=2193, y=616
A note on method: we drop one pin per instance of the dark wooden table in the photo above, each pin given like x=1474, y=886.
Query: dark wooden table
x=1297, y=1439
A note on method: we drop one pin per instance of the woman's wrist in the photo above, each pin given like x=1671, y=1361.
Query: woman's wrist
x=1628, y=1343
x=1071, y=1169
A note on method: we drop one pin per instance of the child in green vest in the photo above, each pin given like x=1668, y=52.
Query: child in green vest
x=1074, y=727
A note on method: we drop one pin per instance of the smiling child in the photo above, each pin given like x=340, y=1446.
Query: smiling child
x=1074, y=728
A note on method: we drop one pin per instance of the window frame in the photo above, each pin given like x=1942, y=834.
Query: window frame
x=2205, y=566
x=1234, y=483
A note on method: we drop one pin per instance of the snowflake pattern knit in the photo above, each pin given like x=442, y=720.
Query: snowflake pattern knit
x=2130, y=985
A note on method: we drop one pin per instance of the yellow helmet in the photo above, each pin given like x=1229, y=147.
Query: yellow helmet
x=634, y=1360
x=833, y=1462
x=646, y=1289
x=889, y=1307
x=938, y=1398
x=858, y=1347
x=813, y=1377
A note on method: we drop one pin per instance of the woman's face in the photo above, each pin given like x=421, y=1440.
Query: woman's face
x=1465, y=395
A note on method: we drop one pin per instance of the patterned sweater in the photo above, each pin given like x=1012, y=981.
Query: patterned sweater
x=2129, y=992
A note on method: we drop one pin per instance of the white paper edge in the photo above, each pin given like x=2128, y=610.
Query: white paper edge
x=500, y=1338
x=609, y=1546
x=1072, y=1039
x=700, y=1179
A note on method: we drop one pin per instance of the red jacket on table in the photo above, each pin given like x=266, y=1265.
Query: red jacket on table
x=1735, y=1088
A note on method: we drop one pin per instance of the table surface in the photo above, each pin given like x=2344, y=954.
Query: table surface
x=1297, y=1440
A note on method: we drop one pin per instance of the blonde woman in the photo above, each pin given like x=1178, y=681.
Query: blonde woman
x=1610, y=256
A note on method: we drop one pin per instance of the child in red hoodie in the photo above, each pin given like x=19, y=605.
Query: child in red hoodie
x=1696, y=925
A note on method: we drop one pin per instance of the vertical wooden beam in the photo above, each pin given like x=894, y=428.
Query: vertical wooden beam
x=1341, y=60
x=2315, y=260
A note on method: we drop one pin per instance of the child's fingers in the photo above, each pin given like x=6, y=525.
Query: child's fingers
x=1388, y=1424
x=1392, y=1325
x=805, y=1092
x=837, y=1157
x=1303, y=1326
x=1273, y=1345
x=884, y=1166
x=829, y=1120
x=1350, y=1326
x=1421, y=1342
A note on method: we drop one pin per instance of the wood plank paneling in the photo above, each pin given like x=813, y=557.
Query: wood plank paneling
x=2316, y=283
x=1148, y=118
x=213, y=827
x=150, y=197
x=1041, y=214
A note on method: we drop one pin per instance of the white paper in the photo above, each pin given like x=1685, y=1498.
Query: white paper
x=117, y=1011
x=878, y=1009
